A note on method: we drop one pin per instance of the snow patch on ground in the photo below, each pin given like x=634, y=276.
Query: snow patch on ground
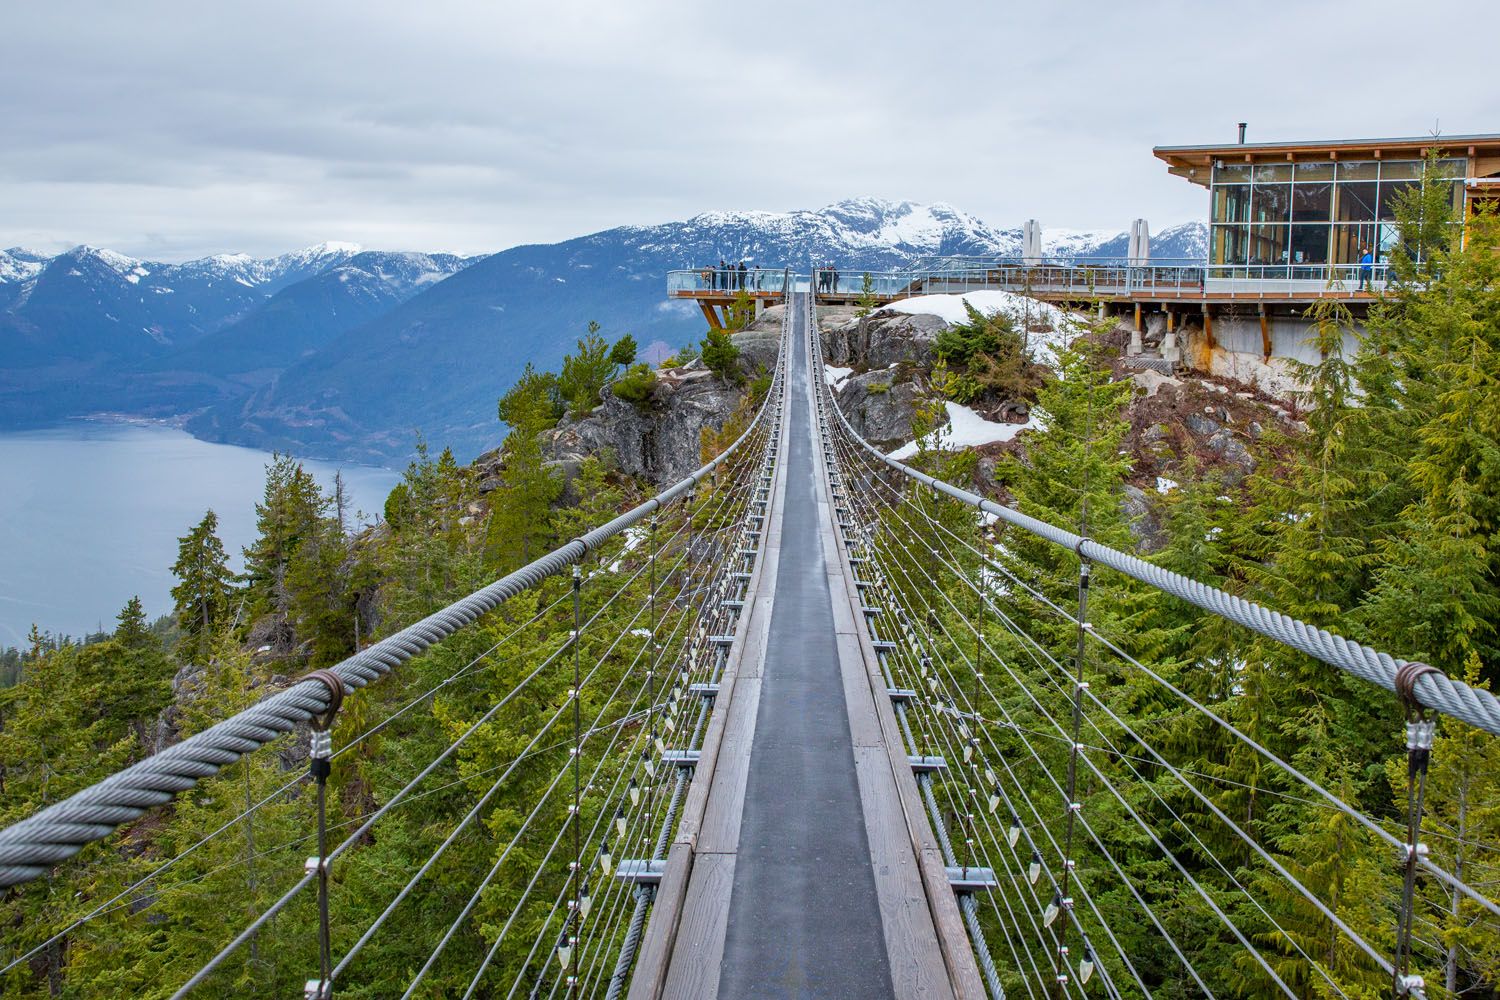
x=633, y=539
x=1022, y=310
x=965, y=429
x=1165, y=485
x=833, y=375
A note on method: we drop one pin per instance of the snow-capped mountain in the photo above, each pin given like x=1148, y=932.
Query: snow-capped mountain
x=334, y=351
x=17, y=265
x=94, y=303
x=91, y=329
x=859, y=233
x=305, y=315
x=439, y=360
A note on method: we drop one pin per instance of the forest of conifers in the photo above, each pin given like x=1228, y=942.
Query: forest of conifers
x=1380, y=522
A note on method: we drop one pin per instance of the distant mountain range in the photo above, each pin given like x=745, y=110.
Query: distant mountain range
x=338, y=352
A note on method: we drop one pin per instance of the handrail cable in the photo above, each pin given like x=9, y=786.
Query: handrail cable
x=29, y=847
x=1333, y=801
x=1435, y=690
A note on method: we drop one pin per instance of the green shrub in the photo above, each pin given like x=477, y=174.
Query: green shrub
x=760, y=384
x=636, y=384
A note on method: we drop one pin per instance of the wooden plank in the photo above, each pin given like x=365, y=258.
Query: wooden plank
x=916, y=960
x=699, y=948
x=720, y=832
x=650, y=973
x=658, y=944
x=864, y=724
x=898, y=804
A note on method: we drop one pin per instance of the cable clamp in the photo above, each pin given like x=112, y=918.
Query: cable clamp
x=1407, y=676
x=1421, y=852
x=1412, y=986
x=335, y=685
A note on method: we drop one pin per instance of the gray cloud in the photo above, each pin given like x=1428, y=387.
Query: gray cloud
x=174, y=129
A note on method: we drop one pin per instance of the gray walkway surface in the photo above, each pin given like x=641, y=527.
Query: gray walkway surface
x=804, y=918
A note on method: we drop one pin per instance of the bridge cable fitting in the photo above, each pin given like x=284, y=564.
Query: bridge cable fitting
x=320, y=766
x=1420, y=731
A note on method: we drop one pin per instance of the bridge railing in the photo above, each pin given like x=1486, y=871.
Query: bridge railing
x=1081, y=280
x=621, y=741
x=1061, y=759
x=729, y=281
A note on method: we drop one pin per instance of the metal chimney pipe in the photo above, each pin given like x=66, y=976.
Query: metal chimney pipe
x=1242, y=132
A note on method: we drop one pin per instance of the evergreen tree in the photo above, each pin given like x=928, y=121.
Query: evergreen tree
x=520, y=514
x=866, y=302
x=741, y=312
x=204, y=594
x=291, y=512
x=623, y=353
x=721, y=355
x=585, y=372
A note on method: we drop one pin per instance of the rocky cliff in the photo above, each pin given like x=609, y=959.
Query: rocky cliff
x=879, y=366
x=659, y=439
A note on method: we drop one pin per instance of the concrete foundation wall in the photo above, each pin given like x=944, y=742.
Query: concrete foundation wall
x=1238, y=352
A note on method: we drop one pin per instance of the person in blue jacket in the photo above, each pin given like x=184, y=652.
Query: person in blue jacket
x=1366, y=269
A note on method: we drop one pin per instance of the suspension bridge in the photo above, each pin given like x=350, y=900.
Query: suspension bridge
x=807, y=745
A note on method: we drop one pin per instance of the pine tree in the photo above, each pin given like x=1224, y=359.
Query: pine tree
x=721, y=355
x=291, y=511
x=204, y=594
x=866, y=302
x=520, y=514
x=585, y=372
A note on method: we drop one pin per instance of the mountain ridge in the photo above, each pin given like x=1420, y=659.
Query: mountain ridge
x=328, y=353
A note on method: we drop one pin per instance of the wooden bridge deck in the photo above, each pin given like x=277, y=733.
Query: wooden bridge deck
x=804, y=865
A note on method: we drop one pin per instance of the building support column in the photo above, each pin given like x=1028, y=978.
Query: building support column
x=1137, y=346
x=1208, y=326
x=1265, y=335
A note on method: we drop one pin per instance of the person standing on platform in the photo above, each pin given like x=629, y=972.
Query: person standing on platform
x=1366, y=269
x=742, y=275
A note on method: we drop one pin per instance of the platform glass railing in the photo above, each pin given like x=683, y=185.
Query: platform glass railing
x=1082, y=279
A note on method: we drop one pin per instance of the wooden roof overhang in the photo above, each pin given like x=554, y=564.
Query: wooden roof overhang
x=1195, y=163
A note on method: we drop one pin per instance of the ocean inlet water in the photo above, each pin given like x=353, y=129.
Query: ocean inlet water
x=90, y=515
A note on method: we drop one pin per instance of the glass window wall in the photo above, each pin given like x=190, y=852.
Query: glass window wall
x=1229, y=244
x=1271, y=203
x=1336, y=210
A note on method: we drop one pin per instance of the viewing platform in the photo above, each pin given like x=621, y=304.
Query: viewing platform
x=1082, y=283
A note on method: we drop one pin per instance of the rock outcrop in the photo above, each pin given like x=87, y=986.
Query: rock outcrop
x=880, y=408
x=658, y=442
x=880, y=339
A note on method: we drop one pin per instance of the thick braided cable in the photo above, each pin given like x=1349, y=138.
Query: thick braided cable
x=1434, y=690
x=28, y=848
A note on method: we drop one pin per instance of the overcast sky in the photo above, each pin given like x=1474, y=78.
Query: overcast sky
x=174, y=130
